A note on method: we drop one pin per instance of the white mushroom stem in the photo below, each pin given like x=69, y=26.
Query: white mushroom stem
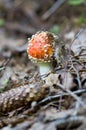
x=45, y=68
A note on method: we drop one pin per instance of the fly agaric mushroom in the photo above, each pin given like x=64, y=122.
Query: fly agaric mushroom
x=41, y=49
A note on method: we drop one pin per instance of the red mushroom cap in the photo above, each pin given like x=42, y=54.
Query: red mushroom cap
x=40, y=46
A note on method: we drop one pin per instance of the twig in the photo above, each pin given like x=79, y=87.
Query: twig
x=73, y=95
x=78, y=77
x=45, y=101
x=56, y=97
x=48, y=100
x=55, y=6
x=4, y=64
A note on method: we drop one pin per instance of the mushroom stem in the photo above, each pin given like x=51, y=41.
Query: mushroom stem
x=45, y=67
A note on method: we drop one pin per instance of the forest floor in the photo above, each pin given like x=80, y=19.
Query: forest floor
x=63, y=107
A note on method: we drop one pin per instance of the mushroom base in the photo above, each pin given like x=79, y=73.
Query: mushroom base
x=45, y=68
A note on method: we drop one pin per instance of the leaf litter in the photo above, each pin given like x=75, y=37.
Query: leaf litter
x=64, y=107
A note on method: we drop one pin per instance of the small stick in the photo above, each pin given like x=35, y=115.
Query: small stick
x=4, y=64
x=78, y=77
x=50, y=99
x=72, y=94
x=55, y=6
x=57, y=96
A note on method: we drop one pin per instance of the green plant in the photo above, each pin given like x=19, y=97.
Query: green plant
x=76, y=2
x=55, y=29
x=2, y=22
x=81, y=20
x=5, y=82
